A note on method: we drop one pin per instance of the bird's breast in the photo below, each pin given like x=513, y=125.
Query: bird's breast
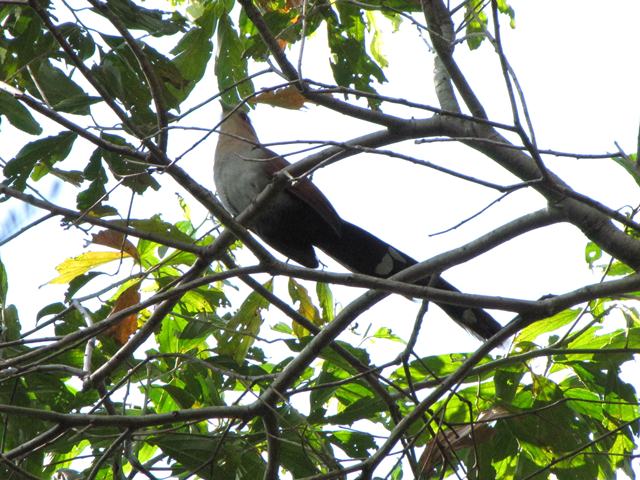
x=239, y=182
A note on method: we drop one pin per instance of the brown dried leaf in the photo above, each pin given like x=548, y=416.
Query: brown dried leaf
x=122, y=330
x=287, y=97
x=116, y=240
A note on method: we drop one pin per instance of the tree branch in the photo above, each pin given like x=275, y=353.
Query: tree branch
x=441, y=33
x=291, y=74
x=153, y=82
x=84, y=218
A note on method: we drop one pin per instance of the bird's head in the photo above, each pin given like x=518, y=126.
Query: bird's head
x=236, y=124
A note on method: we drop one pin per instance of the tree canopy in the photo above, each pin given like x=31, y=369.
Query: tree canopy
x=181, y=347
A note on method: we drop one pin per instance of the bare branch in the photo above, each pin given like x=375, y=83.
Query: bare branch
x=291, y=74
x=111, y=225
x=270, y=422
x=441, y=32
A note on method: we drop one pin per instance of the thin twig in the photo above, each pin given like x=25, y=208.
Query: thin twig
x=26, y=228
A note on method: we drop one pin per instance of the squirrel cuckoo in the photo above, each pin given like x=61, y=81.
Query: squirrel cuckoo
x=300, y=218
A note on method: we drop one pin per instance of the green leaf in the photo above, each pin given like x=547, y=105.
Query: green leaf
x=325, y=297
x=351, y=64
x=244, y=326
x=376, y=41
x=56, y=88
x=324, y=390
x=476, y=23
x=46, y=151
x=365, y=408
x=133, y=174
x=387, y=334
x=618, y=339
x=158, y=227
x=306, y=308
x=355, y=444
x=559, y=320
x=199, y=327
x=124, y=69
x=91, y=198
x=77, y=104
x=617, y=269
x=504, y=7
x=231, y=65
x=4, y=285
x=10, y=323
x=584, y=402
x=179, y=395
x=79, y=39
x=435, y=367
x=507, y=383
x=18, y=115
x=592, y=253
x=630, y=164
x=79, y=282
x=193, y=52
x=156, y=22
x=235, y=458
x=120, y=74
x=51, y=309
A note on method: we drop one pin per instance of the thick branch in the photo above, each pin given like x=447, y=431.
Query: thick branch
x=291, y=73
x=129, y=421
x=593, y=223
x=441, y=33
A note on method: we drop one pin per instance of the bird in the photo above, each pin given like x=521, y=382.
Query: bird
x=300, y=218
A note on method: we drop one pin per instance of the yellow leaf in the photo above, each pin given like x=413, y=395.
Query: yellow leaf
x=73, y=267
x=306, y=308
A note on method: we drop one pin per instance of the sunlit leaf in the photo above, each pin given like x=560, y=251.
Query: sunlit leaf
x=73, y=267
x=4, y=285
x=325, y=297
x=306, y=308
x=387, y=334
x=376, y=41
x=630, y=164
x=559, y=320
x=592, y=253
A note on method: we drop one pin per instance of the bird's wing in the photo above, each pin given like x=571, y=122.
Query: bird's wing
x=305, y=190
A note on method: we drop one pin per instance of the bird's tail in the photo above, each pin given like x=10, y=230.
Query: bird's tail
x=361, y=252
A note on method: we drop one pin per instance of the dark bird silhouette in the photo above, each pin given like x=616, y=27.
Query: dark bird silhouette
x=300, y=218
